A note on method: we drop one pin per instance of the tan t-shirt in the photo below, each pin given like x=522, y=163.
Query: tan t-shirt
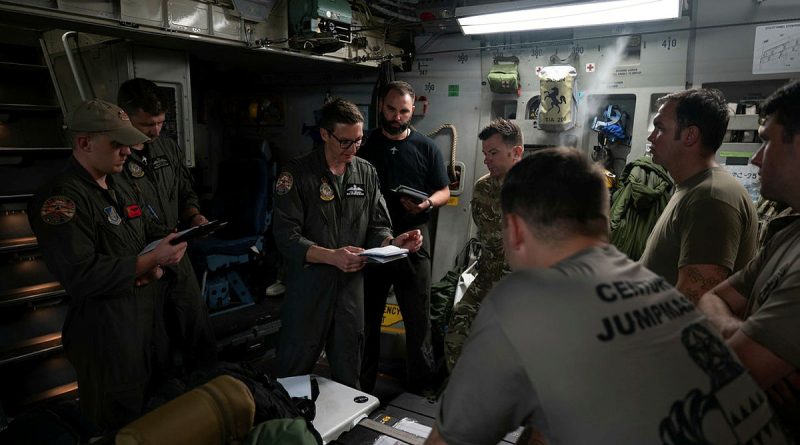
x=771, y=284
x=709, y=220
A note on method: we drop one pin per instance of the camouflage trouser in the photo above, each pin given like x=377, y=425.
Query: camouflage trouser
x=458, y=330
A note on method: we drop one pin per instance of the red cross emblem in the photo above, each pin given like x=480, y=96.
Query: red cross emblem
x=590, y=67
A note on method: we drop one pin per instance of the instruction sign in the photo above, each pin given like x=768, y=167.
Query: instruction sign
x=777, y=49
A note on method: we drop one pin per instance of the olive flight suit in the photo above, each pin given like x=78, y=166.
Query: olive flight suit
x=162, y=163
x=163, y=185
x=323, y=306
x=114, y=333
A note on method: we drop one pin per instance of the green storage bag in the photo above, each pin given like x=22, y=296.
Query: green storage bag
x=504, y=78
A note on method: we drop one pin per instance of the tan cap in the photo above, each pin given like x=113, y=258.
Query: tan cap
x=99, y=116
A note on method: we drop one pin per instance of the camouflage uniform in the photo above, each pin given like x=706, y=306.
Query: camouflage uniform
x=491, y=265
x=768, y=211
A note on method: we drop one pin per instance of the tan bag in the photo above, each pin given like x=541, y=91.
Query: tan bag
x=557, y=104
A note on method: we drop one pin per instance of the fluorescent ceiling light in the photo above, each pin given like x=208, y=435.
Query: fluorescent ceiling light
x=569, y=16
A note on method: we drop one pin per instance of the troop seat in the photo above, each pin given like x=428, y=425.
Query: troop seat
x=241, y=200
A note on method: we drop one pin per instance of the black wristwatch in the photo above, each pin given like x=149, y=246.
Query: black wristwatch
x=430, y=205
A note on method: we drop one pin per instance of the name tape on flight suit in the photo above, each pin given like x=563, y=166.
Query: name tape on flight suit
x=160, y=162
x=354, y=190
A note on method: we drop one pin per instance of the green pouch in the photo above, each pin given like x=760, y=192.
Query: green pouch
x=504, y=78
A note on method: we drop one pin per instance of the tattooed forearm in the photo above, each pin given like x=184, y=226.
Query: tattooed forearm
x=695, y=280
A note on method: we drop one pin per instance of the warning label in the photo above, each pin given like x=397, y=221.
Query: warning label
x=391, y=315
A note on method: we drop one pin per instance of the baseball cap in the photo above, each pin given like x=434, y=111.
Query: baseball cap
x=99, y=116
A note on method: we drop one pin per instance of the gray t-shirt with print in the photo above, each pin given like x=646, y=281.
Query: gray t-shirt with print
x=598, y=349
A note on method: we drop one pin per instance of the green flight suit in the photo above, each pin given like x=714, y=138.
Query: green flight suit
x=323, y=306
x=163, y=164
x=114, y=333
x=163, y=185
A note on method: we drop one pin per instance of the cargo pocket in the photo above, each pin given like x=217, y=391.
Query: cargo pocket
x=123, y=403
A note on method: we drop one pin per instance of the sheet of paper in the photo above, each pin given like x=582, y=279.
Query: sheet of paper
x=407, y=425
x=384, y=259
x=777, y=48
x=385, y=251
x=297, y=386
x=413, y=427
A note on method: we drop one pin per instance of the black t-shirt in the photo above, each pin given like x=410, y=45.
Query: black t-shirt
x=413, y=162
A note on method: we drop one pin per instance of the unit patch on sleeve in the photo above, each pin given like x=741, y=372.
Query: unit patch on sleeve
x=354, y=190
x=284, y=183
x=57, y=210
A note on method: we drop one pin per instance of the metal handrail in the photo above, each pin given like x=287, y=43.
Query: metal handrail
x=71, y=60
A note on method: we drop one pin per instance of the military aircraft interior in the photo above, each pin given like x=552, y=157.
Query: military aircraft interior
x=246, y=88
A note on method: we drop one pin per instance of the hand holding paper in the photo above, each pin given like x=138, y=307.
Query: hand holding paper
x=384, y=254
x=347, y=258
x=167, y=252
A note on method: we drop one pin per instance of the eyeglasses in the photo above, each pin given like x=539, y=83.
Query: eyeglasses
x=345, y=144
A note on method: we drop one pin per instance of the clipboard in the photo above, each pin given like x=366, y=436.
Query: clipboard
x=412, y=193
x=189, y=234
x=198, y=231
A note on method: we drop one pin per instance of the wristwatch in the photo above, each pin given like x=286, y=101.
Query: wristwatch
x=430, y=205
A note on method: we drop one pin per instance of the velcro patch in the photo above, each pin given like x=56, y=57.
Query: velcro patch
x=133, y=211
x=354, y=190
x=136, y=170
x=57, y=210
x=284, y=183
x=113, y=216
x=160, y=162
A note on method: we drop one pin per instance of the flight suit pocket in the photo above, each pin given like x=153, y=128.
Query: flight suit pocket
x=123, y=403
x=120, y=234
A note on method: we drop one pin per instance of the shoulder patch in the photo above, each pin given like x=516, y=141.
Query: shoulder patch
x=57, y=210
x=284, y=183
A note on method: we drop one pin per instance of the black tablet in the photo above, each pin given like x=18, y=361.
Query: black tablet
x=412, y=193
